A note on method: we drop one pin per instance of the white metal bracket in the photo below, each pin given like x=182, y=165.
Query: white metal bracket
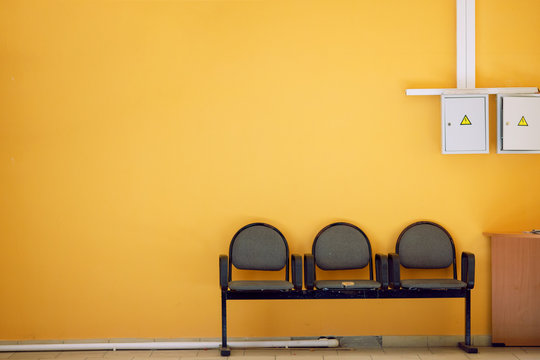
x=466, y=59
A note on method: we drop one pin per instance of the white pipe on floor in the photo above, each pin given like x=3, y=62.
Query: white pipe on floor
x=170, y=345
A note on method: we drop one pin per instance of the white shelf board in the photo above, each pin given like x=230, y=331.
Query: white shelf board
x=503, y=90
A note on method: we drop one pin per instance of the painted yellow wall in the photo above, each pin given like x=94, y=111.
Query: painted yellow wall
x=137, y=136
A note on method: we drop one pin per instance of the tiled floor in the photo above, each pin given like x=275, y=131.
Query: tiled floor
x=446, y=353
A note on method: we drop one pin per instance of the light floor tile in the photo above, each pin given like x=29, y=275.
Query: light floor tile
x=127, y=354
x=80, y=358
x=26, y=357
x=355, y=357
x=34, y=358
x=267, y=352
x=491, y=355
x=444, y=353
x=446, y=350
x=498, y=351
x=454, y=356
x=528, y=356
x=299, y=357
x=531, y=349
x=35, y=355
x=407, y=350
x=395, y=357
x=359, y=352
x=216, y=353
x=314, y=352
x=81, y=354
x=387, y=353
x=508, y=356
x=174, y=353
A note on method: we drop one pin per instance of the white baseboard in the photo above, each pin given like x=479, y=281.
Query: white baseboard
x=345, y=341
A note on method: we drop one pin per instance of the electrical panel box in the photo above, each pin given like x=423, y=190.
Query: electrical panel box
x=518, y=123
x=465, y=127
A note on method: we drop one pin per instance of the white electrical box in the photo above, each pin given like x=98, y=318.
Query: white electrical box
x=518, y=124
x=465, y=127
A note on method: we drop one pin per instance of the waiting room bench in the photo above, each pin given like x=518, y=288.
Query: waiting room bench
x=260, y=246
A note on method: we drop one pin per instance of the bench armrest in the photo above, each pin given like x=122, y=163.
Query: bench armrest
x=223, y=272
x=381, y=270
x=467, y=269
x=296, y=266
x=393, y=270
x=309, y=271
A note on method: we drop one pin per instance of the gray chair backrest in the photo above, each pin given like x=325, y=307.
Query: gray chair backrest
x=341, y=246
x=259, y=246
x=425, y=245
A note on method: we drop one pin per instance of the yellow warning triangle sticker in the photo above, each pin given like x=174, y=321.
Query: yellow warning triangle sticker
x=465, y=121
x=523, y=122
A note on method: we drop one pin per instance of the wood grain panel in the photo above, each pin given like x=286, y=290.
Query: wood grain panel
x=515, y=289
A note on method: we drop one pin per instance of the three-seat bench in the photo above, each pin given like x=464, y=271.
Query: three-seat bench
x=343, y=246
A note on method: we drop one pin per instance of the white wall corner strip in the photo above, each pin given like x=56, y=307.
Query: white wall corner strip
x=466, y=44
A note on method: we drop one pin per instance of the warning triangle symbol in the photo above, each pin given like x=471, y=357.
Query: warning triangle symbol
x=523, y=122
x=465, y=121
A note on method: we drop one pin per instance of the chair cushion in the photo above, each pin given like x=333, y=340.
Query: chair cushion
x=260, y=285
x=341, y=246
x=259, y=247
x=425, y=245
x=432, y=284
x=346, y=284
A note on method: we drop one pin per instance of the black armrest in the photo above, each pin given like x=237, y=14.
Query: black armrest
x=381, y=270
x=467, y=269
x=309, y=271
x=223, y=272
x=296, y=265
x=393, y=270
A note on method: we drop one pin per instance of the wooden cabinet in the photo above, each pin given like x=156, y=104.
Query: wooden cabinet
x=515, y=269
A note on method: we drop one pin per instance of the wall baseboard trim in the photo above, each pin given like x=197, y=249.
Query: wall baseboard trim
x=432, y=340
x=349, y=342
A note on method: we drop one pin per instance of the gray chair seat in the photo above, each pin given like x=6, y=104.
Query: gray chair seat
x=346, y=284
x=260, y=285
x=432, y=284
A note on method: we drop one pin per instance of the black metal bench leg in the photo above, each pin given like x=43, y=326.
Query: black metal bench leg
x=467, y=345
x=224, y=349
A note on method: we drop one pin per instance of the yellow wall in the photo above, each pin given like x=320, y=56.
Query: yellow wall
x=137, y=136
